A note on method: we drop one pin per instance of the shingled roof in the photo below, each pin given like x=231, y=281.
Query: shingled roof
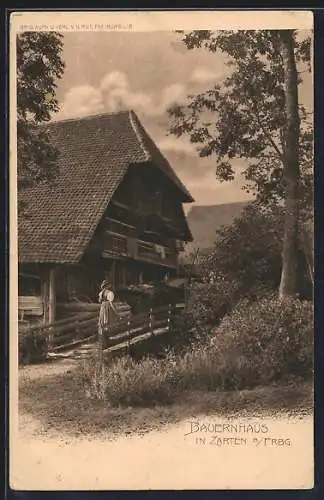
x=95, y=154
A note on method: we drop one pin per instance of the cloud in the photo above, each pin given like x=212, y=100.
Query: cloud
x=113, y=80
x=123, y=98
x=81, y=100
x=114, y=93
x=177, y=145
x=173, y=94
x=205, y=75
x=117, y=94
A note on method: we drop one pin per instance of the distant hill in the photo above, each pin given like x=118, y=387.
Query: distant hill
x=203, y=221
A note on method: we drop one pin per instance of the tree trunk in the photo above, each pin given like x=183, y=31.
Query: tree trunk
x=291, y=169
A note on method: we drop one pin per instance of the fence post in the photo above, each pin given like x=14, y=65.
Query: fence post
x=77, y=329
x=50, y=336
x=100, y=348
x=151, y=321
x=169, y=316
x=128, y=333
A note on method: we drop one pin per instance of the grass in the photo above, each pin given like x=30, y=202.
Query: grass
x=53, y=394
x=258, y=362
x=257, y=344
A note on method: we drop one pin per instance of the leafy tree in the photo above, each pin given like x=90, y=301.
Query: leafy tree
x=248, y=253
x=249, y=250
x=39, y=65
x=254, y=114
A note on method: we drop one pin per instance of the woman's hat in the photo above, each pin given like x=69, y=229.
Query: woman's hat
x=105, y=284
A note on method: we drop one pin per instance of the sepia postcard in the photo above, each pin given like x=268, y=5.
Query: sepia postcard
x=161, y=250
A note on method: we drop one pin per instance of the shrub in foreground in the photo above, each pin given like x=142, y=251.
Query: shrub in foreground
x=266, y=340
x=128, y=382
x=257, y=344
x=207, y=305
x=33, y=346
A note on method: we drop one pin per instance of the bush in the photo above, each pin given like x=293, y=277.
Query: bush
x=249, y=252
x=257, y=344
x=127, y=382
x=33, y=346
x=266, y=340
x=207, y=305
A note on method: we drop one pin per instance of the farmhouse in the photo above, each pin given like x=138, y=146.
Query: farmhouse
x=114, y=212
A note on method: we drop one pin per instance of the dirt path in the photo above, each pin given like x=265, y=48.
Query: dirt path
x=190, y=445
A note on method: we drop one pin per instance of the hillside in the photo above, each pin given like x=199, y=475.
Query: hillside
x=203, y=221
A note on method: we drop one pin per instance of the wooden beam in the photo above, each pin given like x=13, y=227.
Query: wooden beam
x=120, y=205
x=45, y=297
x=52, y=296
x=124, y=280
x=116, y=221
x=113, y=274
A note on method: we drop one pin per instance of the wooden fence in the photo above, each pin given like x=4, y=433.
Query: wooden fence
x=129, y=330
x=156, y=321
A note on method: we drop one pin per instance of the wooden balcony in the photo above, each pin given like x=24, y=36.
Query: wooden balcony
x=122, y=246
x=157, y=254
x=115, y=245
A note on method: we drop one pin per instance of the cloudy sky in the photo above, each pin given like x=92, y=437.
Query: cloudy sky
x=147, y=72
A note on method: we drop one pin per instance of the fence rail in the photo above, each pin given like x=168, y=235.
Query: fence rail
x=155, y=322
x=128, y=330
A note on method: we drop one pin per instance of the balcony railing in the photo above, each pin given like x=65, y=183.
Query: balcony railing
x=121, y=245
x=115, y=245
